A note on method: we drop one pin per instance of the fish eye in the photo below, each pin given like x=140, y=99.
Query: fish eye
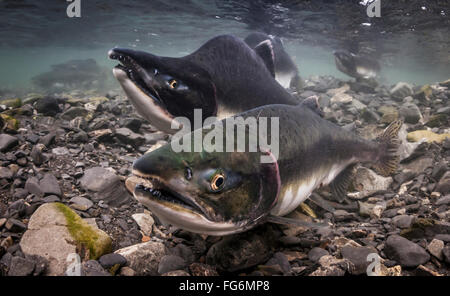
x=217, y=182
x=155, y=72
x=173, y=84
x=188, y=173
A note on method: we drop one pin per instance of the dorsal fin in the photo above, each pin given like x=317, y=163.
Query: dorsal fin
x=312, y=103
x=265, y=50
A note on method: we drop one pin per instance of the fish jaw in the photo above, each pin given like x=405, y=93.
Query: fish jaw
x=180, y=215
x=146, y=106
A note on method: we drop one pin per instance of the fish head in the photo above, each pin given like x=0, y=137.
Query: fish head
x=214, y=193
x=344, y=62
x=162, y=88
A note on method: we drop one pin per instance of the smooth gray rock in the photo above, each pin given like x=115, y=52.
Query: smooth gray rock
x=49, y=185
x=171, y=263
x=444, y=184
x=144, y=258
x=110, y=260
x=32, y=186
x=73, y=112
x=316, y=253
x=48, y=106
x=446, y=254
x=358, y=256
x=6, y=173
x=402, y=221
x=405, y=252
x=145, y=222
x=7, y=142
x=443, y=201
x=410, y=112
x=241, y=251
x=97, y=179
x=93, y=268
x=81, y=203
x=435, y=247
x=21, y=267
x=127, y=136
x=400, y=91
x=106, y=185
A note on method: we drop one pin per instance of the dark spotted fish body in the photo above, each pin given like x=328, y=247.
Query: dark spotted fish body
x=356, y=66
x=223, y=77
x=229, y=192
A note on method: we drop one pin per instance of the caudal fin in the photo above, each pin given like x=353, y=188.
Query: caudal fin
x=388, y=160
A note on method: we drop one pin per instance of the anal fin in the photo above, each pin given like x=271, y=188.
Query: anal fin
x=341, y=183
x=320, y=202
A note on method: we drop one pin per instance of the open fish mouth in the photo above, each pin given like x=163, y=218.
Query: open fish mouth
x=139, y=85
x=152, y=189
x=181, y=210
x=134, y=72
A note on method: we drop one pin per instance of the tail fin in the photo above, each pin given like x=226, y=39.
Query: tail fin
x=388, y=161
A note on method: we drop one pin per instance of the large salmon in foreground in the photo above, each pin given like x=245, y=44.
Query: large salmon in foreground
x=220, y=193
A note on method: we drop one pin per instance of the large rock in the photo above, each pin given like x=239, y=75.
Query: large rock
x=410, y=113
x=390, y=114
x=406, y=148
x=47, y=106
x=401, y=90
x=106, y=185
x=6, y=173
x=358, y=256
x=241, y=251
x=21, y=267
x=127, y=136
x=331, y=266
x=367, y=182
x=144, y=258
x=435, y=248
x=403, y=221
x=49, y=185
x=429, y=136
x=97, y=179
x=7, y=142
x=73, y=112
x=405, y=252
x=145, y=222
x=444, y=184
x=437, y=120
x=55, y=232
x=341, y=98
x=171, y=263
x=32, y=186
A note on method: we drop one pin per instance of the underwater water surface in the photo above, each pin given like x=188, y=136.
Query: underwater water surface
x=410, y=39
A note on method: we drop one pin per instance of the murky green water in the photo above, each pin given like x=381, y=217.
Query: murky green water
x=411, y=41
